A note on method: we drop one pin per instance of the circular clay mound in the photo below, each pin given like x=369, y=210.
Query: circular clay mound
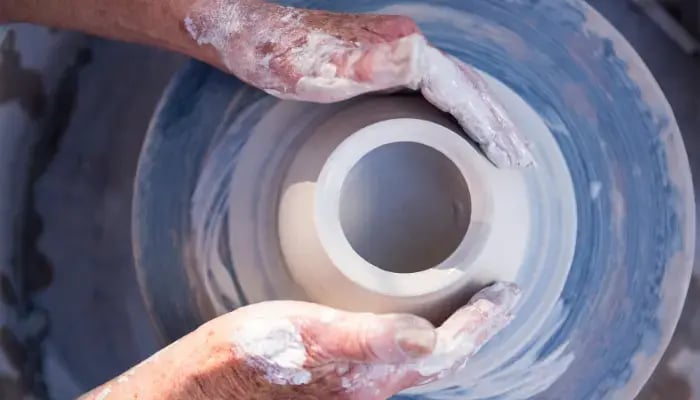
x=242, y=198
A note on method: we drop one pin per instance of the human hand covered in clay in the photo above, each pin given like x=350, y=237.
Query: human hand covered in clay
x=320, y=56
x=294, y=350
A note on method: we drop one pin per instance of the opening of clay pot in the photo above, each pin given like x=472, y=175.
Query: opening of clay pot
x=405, y=207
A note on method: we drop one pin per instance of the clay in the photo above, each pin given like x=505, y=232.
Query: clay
x=315, y=246
x=276, y=348
x=598, y=124
x=308, y=143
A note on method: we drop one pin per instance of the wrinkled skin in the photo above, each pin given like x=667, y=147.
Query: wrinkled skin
x=358, y=356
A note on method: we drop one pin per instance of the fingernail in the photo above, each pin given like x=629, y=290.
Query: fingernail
x=416, y=342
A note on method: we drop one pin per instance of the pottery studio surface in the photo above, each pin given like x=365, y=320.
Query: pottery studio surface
x=241, y=198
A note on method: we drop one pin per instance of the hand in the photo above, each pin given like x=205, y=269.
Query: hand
x=323, y=57
x=294, y=350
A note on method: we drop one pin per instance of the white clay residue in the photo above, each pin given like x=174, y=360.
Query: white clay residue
x=274, y=347
x=220, y=24
x=397, y=67
x=235, y=29
x=103, y=394
x=320, y=77
x=462, y=92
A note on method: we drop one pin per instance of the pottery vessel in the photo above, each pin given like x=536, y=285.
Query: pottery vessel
x=264, y=199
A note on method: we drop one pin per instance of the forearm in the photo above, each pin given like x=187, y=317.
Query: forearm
x=158, y=23
x=169, y=374
x=158, y=378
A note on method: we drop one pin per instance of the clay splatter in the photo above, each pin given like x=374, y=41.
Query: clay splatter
x=276, y=348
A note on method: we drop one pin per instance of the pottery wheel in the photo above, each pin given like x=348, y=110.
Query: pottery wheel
x=382, y=204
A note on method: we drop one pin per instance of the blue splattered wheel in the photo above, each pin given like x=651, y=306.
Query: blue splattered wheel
x=611, y=307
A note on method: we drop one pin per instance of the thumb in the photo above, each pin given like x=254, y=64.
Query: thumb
x=468, y=329
x=373, y=338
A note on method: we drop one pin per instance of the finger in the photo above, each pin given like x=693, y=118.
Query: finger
x=468, y=329
x=459, y=90
x=488, y=305
x=370, y=338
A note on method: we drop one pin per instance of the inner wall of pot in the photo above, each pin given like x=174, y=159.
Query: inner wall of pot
x=405, y=207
